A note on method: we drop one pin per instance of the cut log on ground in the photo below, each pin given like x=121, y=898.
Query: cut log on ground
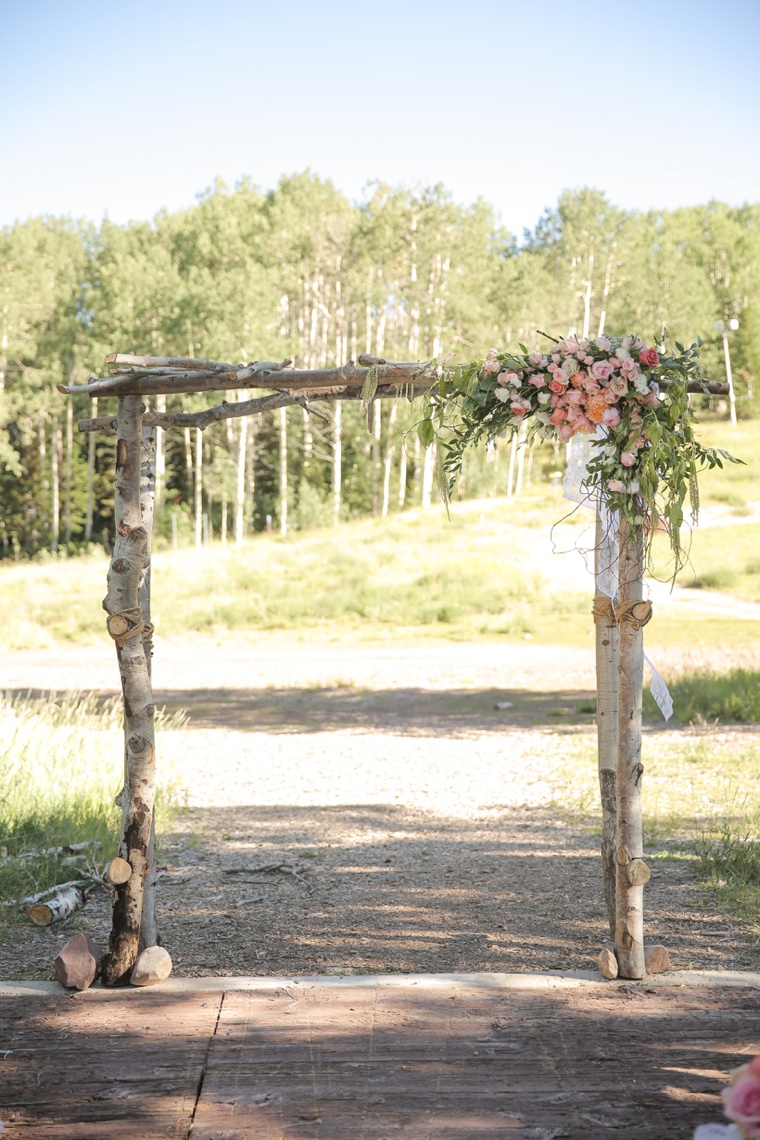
x=61, y=905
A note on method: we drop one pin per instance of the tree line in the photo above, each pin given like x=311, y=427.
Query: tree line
x=300, y=272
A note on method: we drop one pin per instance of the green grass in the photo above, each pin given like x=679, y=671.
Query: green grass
x=61, y=763
x=709, y=696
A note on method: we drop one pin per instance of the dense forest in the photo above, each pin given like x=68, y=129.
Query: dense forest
x=300, y=272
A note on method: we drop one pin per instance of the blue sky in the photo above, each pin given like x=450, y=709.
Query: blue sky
x=125, y=108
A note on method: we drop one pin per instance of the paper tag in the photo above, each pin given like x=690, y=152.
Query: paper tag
x=660, y=691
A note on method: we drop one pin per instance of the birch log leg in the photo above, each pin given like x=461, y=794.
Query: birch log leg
x=125, y=626
x=148, y=459
x=606, y=727
x=632, y=613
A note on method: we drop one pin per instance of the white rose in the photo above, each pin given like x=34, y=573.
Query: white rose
x=502, y=395
x=641, y=384
x=544, y=397
x=542, y=417
x=570, y=366
x=623, y=353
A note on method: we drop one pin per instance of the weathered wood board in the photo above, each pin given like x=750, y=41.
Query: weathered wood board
x=419, y=1058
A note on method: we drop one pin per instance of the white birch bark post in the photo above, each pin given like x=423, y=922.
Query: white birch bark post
x=125, y=626
x=148, y=480
x=632, y=614
x=606, y=727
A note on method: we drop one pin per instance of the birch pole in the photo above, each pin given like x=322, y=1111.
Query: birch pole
x=606, y=725
x=632, y=613
x=126, y=627
x=148, y=481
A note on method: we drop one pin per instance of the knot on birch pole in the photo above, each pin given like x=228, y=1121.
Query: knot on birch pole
x=603, y=610
x=125, y=624
x=636, y=614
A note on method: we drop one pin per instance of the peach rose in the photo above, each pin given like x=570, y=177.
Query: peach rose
x=557, y=385
x=596, y=406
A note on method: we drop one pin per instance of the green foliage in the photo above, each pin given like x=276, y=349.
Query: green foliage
x=300, y=272
x=61, y=762
x=709, y=696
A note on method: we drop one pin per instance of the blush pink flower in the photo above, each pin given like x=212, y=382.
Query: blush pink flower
x=573, y=397
x=492, y=354
x=628, y=459
x=603, y=344
x=741, y=1103
x=557, y=417
x=553, y=401
x=492, y=366
x=602, y=370
x=577, y=379
x=630, y=368
x=615, y=362
x=585, y=425
x=557, y=385
x=649, y=357
x=565, y=432
x=503, y=378
x=537, y=359
x=611, y=417
x=619, y=385
x=652, y=400
x=568, y=346
x=520, y=407
x=538, y=380
x=616, y=485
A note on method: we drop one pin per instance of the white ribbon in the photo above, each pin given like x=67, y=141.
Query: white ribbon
x=580, y=453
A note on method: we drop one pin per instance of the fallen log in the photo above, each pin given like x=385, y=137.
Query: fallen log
x=62, y=905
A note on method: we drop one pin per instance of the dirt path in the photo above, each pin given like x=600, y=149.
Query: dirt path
x=409, y=819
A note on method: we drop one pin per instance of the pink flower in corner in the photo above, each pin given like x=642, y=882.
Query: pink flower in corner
x=602, y=370
x=603, y=344
x=628, y=459
x=741, y=1103
x=611, y=417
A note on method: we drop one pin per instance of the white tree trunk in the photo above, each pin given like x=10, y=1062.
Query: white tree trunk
x=67, y=476
x=607, y=728
x=337, y=447
x=198, y=509
x=90, y=509
x=402, y=475
x=427, y=475
x=55, y=506
x=388, y=460
x=125, y=576
x=148, y=460
x=240, y=490
x=283, y=471
x=629, y=925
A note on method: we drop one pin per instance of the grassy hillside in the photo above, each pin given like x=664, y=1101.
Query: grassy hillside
x=418, y=574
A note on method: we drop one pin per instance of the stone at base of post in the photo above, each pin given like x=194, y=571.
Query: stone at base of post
x=657, y=959
x=607, y=963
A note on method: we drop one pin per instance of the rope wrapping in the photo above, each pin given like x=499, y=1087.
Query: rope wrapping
x=123, y=625
x=636, y=613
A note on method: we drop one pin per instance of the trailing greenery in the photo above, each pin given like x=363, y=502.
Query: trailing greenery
x=644, y=458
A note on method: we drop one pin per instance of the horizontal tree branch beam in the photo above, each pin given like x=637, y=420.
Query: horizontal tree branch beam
x=120, y=359
x=226, y=411
x=257, y=375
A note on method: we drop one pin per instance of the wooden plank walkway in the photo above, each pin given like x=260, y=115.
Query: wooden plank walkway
x=423, y=1058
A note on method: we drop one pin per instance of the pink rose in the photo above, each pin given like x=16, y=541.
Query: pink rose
x=503, y=378
x=583, y=424
x=556, y=357
x=628, y=459
x=492, y=354
x=602, y=344
x=616, y=485
x=630, y=368
x=491, y=366
x=615, y=362
x=573, y=397
x=602, y=370
x=553, y=401
x=538, y=380
x=557, y=386
x=520, y=407
x=611, y=417
x=577, y=379
x=565, y=432
x=619, y=385
x=741, y=1103
x=568, y=346
x=590, y=384
x=557, y=417
x=649, y=357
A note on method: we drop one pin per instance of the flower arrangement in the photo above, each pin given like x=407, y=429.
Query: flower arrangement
x=630, y=397
x=741, y=1104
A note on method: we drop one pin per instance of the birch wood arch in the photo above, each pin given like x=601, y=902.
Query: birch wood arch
x=619, y=652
